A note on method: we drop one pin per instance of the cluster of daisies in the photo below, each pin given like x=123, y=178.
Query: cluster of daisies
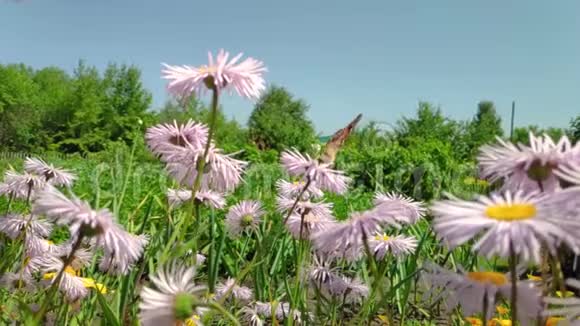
x=94, y=234
x=532, y=217
x=206, y=175
x=302, y=209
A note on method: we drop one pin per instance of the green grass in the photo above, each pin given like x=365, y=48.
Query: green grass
x=267, y=262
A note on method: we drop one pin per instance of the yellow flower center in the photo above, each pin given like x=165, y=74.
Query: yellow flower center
x=534, y=278
x=69, y=270
x=474, y=321
x=494, y=278
x=567, y=294
x=207, y=69
x=193, y=321
x=382, y=237
x=499, y=322
x=502, y=310
x=89, y=283
x=298, y=183
x=553, y=321
x=509, y=213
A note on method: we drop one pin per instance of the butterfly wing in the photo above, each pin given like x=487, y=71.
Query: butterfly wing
x=338, y=139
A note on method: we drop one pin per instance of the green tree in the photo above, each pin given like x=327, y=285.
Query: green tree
x=575, y=129
x=522, y=134
x=279, y=121
x=484, y=127
x=126, y=103
x=19, y=117
x=431, y=124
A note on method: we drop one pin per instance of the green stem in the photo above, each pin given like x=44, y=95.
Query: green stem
x=55, y=284
x=298, y=198
x=514, y=281
x=227, y=314
x=557, y=274
x=485, y=308
x=212, y=125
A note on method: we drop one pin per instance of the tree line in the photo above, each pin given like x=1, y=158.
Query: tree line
x=89, y=111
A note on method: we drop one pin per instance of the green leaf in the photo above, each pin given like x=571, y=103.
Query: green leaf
x=110, y=316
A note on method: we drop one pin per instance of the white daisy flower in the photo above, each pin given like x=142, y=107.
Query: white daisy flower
x=320, y=272
x=399, y=245
x=309, y=225
x=524, y=221
x=35, y=245
x=16, y=281
x=244, y=216
x=321, y=174
x=293, y=189
x=22, y=186
x=229, y=288
x=319, y=209
x=402, y=208
x=570, y=173
x=70, y=284
x=52, y=175
x=222, y=172
x=251, y=317
x=471, y=288
x=352, y=290
x=13, y=225
x=122, y=249
x=211, y=198
x=347, y=239
x=525, y=168
x=165, y=139
x=174, y=300
x=568, y=307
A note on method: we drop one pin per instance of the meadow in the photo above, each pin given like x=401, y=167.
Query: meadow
x=368, y=228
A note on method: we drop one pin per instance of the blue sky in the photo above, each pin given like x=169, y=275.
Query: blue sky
x=378, y=58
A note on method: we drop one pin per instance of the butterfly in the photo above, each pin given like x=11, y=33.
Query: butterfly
x=338, y=139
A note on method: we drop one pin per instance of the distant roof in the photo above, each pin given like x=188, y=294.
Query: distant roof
x=324, y=139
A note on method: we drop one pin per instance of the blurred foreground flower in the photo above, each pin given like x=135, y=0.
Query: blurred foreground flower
x=470, y=289
x=526, y=168
x=175, y=300
x=513, y=219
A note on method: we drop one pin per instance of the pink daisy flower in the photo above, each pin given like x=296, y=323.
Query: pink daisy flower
x=244, y=216
x=528, y=168
x=231, y=289
x=321, y=174
x=352, y=290
x=20, y=186
x=311, y=224
x=165, y=139
x=51, y=174
x=468, y=289
x=12, y=225
x=172, y=299
x=403, y=209
x=399, y=245
x=527, y=221
x=244, y=77
x=319, y=209
x=70, y=285
x=347, y=239
x=222, y=172
x=122, y=249
x=293, y=189
x=211, y=198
